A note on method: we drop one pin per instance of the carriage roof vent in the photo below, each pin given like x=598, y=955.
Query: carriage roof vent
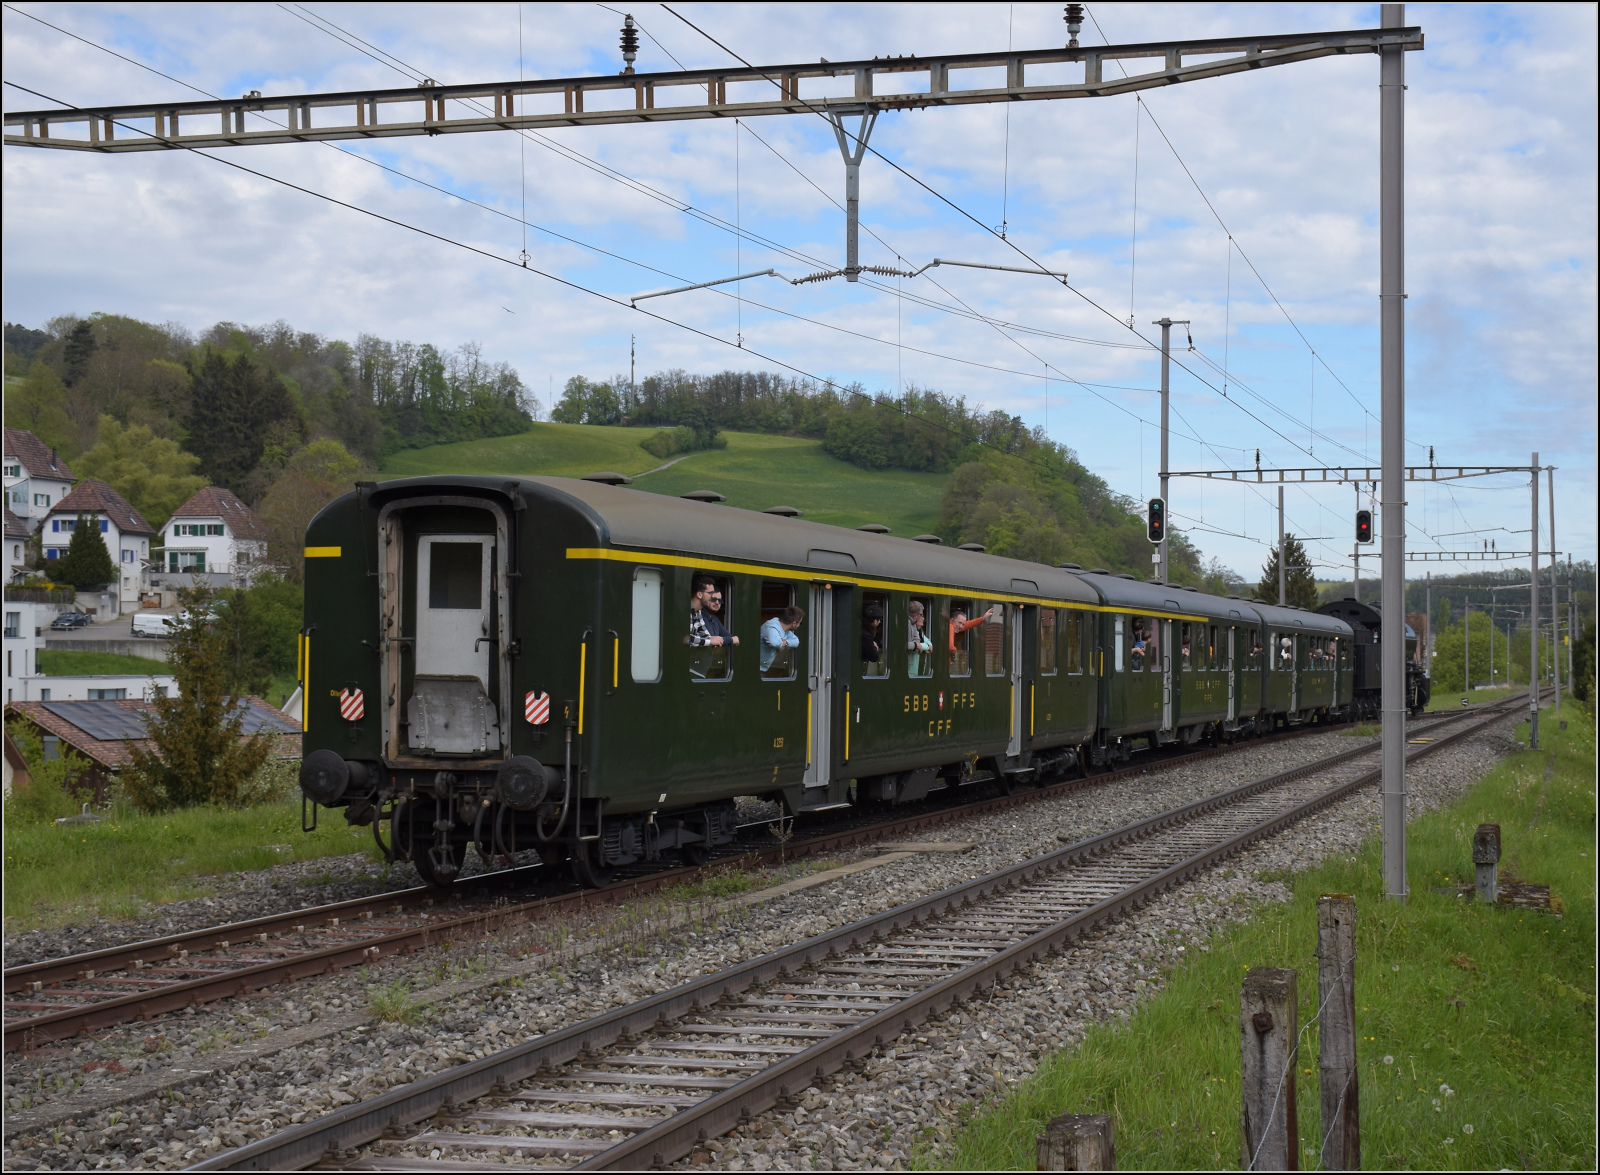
x=1070, y=566
x=609, y=477
x=703, y=496
x=783, y=511
x=1186, y=587
x=874, y=528
x=1125, y=575
x=1235, y=597
x=1098, y=571
x=978, y=547
x=929, y=538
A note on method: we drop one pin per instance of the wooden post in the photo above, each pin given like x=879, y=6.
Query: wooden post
x=1486, y=856
x=1077, y=1142
x=1336, y=996
x=1268, y=1026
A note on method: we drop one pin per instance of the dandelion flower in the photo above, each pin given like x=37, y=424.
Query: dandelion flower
x=1467, y=1129
x=1388, y=1060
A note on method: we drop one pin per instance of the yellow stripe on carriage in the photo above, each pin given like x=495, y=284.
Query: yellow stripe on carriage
x=324, y=552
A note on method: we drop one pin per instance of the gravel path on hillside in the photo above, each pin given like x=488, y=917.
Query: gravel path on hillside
x=514, y=987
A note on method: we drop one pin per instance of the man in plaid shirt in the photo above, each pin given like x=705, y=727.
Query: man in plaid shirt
x=700, y=635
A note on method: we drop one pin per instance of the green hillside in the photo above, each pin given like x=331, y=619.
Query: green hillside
x=755, y=471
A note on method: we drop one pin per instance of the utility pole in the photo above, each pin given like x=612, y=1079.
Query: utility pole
x=1392, y=331
x=1166, y=325
x=1572, y=620
x=1555, y=597
x=1466, y=669
x=1283, y=575
x=1491, y=637
x=1427, y=647
x=1533, y=613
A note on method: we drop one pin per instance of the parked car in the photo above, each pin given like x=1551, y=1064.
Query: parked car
x=156, y=625
x=70, y=620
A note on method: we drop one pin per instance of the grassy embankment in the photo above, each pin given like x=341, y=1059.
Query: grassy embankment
x=1476, y=1025
x=1451, y=699
x=61, y=663
x=755, y=471
x=62, y=873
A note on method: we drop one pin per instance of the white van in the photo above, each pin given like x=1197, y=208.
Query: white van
x=152, y=624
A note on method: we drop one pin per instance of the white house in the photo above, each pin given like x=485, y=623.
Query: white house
x=127, y=535
x=17, y=533
x=24, y=637
x=36, y=477
x=214, y=532
x=95, y=687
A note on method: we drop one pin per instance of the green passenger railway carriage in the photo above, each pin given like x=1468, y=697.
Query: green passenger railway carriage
x=596, y=672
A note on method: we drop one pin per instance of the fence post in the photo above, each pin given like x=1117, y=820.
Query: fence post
x=1268, y=1025
x=1486, y=856
x=1077, y=1142
x=1336, y=996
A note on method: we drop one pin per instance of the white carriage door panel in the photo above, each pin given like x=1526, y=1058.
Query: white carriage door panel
x=453, y=606
x=1014, y=747
x=646, y=640
x=819, y=772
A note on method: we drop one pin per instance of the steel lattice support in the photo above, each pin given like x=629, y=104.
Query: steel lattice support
x=911, y=83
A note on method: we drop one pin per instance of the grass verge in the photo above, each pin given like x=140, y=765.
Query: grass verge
x=1451, y=699
x=59, y=663
x=61, y=873
x=1475, y=1024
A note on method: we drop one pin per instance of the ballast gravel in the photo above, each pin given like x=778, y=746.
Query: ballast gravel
x=521, y=984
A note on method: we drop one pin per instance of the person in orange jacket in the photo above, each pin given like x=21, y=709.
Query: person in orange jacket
x=960, y=624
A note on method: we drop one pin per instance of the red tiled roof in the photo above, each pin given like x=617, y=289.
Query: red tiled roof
x=90, y=496
x=15, y=527
x=114, y=754
x=216, y=502
x=38, y=458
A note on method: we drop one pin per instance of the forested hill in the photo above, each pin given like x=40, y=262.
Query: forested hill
x=1010, y=488
x=269, y=388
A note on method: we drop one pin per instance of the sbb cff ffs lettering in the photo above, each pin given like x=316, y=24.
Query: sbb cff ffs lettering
x=1363, y=526
x=1156, y=521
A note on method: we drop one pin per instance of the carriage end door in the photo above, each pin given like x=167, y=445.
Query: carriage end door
x=1019, y=689
x=1166, y=673
x=450, y=711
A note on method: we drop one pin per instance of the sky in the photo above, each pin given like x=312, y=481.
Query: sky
x=1246, y=204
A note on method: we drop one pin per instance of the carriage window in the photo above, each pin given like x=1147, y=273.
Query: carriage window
x=1186, y=645
x=1047, y=642
x=1344, y=653
x=1282, y=652
x=1075, y=622
x=874, y=635
x=710, y=638
x=1145, y=645
x=1117, y=637
x=1252, y=656
x=960, y=642
x=1306, y=653
x=1213, y=653
x=1222, y=641
x=994, y=643
x=919, y=637
x=455, y=575
x=779, y=638
x=646, y=649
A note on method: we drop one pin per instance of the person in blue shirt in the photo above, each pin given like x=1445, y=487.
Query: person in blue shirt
x=778, y=633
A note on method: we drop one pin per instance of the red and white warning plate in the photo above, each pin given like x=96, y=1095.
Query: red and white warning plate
x=351, y=705
x=536, y=708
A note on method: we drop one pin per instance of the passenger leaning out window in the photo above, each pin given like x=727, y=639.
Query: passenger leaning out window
x=778, y=634
x=872, y=634
x=960, y=624
x=919, y=645
x=701, y=634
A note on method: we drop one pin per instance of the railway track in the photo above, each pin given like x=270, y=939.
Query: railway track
x=59, y=998
x=641, y=1085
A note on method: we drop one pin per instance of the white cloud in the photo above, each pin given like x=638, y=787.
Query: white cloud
x=1501, y=197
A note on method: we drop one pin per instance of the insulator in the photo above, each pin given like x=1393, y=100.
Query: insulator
x=630, y=43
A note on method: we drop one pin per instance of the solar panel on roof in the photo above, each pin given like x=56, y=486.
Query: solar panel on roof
x=255, y=718
x=105, y=721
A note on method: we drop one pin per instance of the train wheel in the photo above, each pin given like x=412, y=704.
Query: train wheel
x=418, y=825
x=695, y=855
x=586, y=869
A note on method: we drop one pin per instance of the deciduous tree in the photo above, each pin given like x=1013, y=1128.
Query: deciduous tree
x=152, y=472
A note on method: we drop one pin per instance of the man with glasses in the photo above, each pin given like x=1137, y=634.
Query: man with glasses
x=705, y=625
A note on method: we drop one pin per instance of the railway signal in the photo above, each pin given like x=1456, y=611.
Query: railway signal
x=1363, y=526
x=1156, y=521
